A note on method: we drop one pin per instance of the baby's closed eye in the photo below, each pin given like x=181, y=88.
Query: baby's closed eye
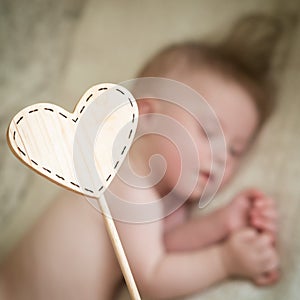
x=236, y=152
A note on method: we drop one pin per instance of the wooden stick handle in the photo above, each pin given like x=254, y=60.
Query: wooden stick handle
x=117, y=245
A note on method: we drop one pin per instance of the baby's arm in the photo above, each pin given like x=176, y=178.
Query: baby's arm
x=161, y=274
x=166, y=275
x=211, y=228
x=198, y=232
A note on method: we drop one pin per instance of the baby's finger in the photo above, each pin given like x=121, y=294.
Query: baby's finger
x=274, y=275
x=261, y=203
x=265, y=202
x=262, y=280
x=270, y=214
x=271, y=218
x=269, y=259
x=267, y=278
x=263, y=224
x=267, y=219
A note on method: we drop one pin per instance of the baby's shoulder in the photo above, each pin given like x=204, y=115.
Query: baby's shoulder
x=131, y=191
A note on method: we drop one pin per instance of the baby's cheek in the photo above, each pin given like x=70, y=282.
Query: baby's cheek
x=173, y=161
x=173, y=165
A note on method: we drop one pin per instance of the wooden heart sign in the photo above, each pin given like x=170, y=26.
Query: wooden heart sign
x=81, y=151
x=44, y=137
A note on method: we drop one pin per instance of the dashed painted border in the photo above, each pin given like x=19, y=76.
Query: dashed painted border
x=74, y=120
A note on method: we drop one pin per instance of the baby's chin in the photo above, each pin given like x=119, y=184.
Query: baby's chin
x=202, y=190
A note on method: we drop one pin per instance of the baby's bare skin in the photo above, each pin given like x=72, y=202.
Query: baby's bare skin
x=67, y=255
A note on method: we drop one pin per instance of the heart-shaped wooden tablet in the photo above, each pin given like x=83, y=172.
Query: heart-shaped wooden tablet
x=43, y=136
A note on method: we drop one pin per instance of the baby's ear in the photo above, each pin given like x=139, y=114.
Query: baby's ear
x=147, y=109
x=148, y=106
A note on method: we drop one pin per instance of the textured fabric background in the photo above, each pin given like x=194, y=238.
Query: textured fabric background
x=54, y=51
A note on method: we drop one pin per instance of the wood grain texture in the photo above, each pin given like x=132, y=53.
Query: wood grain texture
x=81, y=151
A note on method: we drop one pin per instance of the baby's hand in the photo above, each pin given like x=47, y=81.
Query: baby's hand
x=237, y=212
x=250, y=254
x=263, y=215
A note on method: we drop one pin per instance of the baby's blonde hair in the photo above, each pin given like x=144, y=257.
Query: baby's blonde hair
x=246, y=55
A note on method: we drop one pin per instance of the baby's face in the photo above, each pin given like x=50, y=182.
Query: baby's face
x=238, y=118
